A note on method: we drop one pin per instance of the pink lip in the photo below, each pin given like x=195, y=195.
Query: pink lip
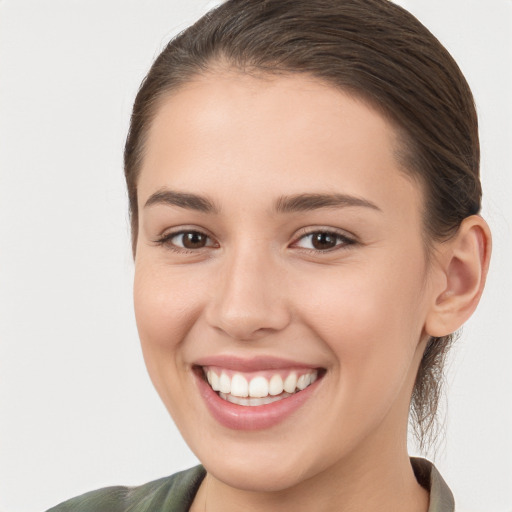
x=253, y=364
x=239, y=417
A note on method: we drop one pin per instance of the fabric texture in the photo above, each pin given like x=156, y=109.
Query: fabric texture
x=441, y=498
x=170, y=494
x=176, y=493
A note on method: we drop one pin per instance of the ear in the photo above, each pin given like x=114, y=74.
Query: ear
x=461, y=268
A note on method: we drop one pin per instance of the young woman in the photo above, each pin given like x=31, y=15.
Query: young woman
x=304, y=188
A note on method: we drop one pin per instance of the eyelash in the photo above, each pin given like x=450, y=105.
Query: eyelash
x=345, y=241
x=165, y=241
x=342, y=240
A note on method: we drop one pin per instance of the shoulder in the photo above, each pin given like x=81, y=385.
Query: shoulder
x=170, y=494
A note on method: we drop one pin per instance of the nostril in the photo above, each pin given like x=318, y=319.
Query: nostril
x=249, y=326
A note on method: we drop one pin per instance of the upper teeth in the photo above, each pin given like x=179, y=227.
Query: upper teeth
x=259, y=386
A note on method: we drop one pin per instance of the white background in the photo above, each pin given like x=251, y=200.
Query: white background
x=77, y=410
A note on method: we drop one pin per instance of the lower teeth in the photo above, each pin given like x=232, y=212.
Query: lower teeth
x=253, y=402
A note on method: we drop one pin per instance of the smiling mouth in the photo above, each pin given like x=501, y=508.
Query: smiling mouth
x=258, y=388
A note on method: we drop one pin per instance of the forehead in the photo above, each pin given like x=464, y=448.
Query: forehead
x=286, y=133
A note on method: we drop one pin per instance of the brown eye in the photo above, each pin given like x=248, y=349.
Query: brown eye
x=189, y=240
x=194, y=240
x=323, y=241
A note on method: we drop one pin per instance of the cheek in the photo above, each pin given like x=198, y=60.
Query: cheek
x=371, y=317
x=165, y=310
x=166, y=307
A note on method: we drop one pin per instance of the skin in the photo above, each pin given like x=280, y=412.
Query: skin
x=362, y=310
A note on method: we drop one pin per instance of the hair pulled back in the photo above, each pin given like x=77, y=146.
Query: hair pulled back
x=372, y=49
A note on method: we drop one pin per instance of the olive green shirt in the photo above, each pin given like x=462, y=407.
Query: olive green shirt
x=176, y=493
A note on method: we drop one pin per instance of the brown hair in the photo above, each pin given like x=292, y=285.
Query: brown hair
x=373, y=49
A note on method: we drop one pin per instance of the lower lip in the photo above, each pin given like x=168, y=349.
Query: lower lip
x=240, y=417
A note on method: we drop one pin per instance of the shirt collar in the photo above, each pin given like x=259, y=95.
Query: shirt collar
x=441, y=498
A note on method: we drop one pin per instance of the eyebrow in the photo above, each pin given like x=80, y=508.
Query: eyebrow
x=183, y=200
x=284, y=204
x=307, y=202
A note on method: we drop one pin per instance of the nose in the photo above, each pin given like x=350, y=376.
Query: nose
x=250, y=299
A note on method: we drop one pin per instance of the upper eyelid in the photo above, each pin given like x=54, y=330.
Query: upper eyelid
x=171, y=232
x=324, y=229
x=345, y=241
x=164, y=239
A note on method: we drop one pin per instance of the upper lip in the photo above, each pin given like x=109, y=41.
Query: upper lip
x=253, y=364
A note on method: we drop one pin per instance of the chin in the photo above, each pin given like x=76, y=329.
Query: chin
x=263, y=476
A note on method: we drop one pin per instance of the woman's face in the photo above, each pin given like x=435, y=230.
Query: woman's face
x=278, y=239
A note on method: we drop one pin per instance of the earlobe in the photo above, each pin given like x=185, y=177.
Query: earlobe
x=464, y=261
